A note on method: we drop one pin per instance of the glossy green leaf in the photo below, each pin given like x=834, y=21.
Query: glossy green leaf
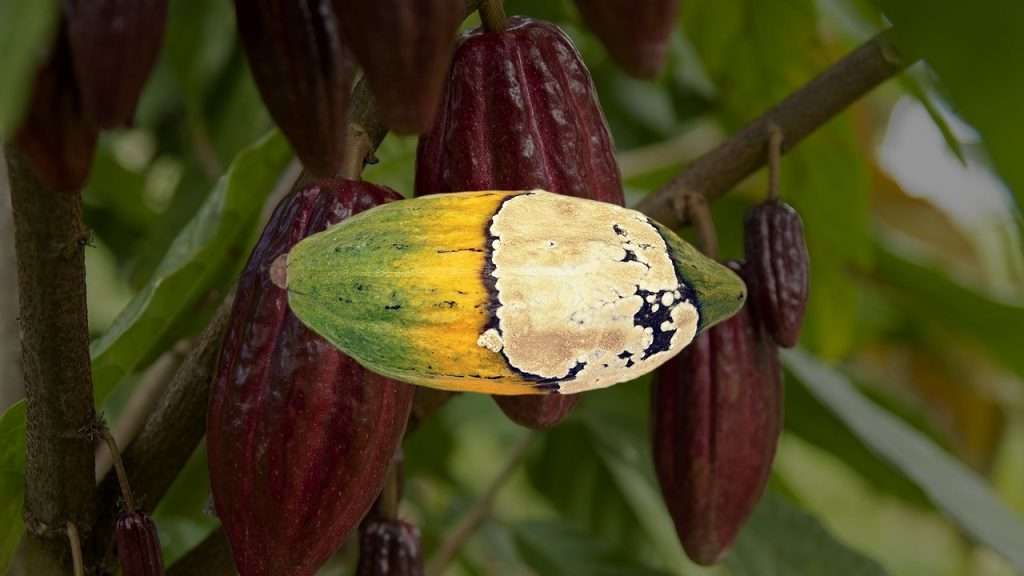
x=214, y=241
x=782, y=540
x=754, y=65
x=557, y=549
x=951, y=486
x=975, y=47
x=12, y=480
x=26, y=29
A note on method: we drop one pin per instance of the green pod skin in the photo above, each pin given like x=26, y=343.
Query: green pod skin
x=404, y=47
x=299, y=435
x=716, y=419
x=779, y=269
x=636, y=34
x=304, y=74
x=138, y=545
x=55, y=135
x=574, y=152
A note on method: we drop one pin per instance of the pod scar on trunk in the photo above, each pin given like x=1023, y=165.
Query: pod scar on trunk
x=585, y=294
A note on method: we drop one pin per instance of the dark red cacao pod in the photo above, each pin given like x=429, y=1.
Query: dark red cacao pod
x=114, y=44
x=299, y=435
x=521, y=109
x=138, y=545
x=636, y=34
x=778, y=268
x=404, y=47
x=716, y=420
x=55, y=135
x=303, y=72
x=389, y=548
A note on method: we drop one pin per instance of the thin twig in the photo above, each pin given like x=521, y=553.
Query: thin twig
x=479, y=512
x=122, y=475
x=774, y=161
x=76, y=549
x=492, y=15
x=800, y=114
x=698, y=212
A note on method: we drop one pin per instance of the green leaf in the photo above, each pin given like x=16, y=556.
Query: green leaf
x=214, y=241
x=12, y=480
x=556, y=549
x=950, y=485
x=782, y=540
x=975, y=48
x=930, y=297
x=754, y=65
x=26, y=29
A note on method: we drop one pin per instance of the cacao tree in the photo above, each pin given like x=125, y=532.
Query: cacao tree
x=743, y=280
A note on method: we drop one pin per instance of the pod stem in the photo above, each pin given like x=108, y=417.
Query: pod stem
x=775, y=139
x=492, y=15
x=696, y=208
x=122, y=474
x=76, y=548
x=391, y=496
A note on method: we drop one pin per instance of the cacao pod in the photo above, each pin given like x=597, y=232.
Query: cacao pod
x=299, y=435
x=506, y=292
x=522, y=112
x=717, y=416
x=777, y=257
x=636, y=34
x=114, y=44
x=389, y=548
x=303, y=72
x=138, y=545
x=55, y=135
x=404, y=47
x=541, y=127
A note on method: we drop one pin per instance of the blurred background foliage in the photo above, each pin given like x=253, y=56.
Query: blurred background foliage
x=903, y=451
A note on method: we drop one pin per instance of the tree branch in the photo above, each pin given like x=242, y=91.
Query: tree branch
x=801, y=113
x=50, y=241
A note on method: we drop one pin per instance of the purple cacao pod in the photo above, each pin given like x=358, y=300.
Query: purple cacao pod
x=304, y=74
x=522, y=110
x=778, y=269
x=114, y=44
x=389, y=548
x=55, y=136
x=138, y=545
x=404, y=47
x=636, y=34
x=716, y=420
x=299, y=435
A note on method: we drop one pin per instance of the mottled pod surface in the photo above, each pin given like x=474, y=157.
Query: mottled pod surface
x=507, y=292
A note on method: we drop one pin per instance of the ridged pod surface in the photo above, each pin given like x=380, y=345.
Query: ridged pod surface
x=114, y=44
x=55, y=135
x=522, y=103
x=716, y=420
x=304, y=74
x=389, y=548
x=779, y=268
x=299, y=435
x=404, y=47
x=138, y=545
x=636, y=34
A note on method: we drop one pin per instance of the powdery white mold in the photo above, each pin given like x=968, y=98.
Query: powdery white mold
x=587, y=293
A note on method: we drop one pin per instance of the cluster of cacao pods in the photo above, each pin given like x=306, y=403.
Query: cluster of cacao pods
x=299, y=435
x=92, y=79
x=522, y=111
x=717, y=407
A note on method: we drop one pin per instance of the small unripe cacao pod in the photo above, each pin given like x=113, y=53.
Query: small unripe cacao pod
x=304, y=73
x=55, y=135
x=404, y=47
x=716, y=420
x=542, y=127
x=389, y=548
x=779, y=266
x=299, y=435
x=636, y=34
x=114, y=44
x=138, y=545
